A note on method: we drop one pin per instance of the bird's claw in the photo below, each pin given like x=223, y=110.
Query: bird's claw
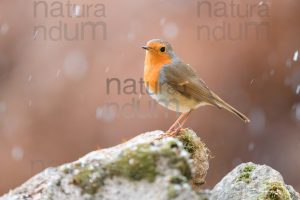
x=172, y=129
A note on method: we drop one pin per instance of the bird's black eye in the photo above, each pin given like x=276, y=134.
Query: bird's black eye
x=163, y=49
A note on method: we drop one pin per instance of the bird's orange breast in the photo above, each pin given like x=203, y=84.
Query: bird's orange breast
x=153, y=65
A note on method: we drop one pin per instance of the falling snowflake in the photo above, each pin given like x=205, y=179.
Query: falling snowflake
x=106, y=113
x=258, y=121
x=75, y=65
x=298, y=89
x=251, y=146
x=4, y=29
x=58, y=72
x=131, y=36
x=29, y=103
x=77, y=10
x=35, y=35
x=162, y=21
x=170, y=30
x=17, y=153
x=297, y=111
x=29, y=79
x=288, y=63
x=2, y=107
x=296, y=56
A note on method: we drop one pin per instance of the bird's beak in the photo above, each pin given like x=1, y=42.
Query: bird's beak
x=146, y=47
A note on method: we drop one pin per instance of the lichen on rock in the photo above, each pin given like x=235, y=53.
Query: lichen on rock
x=87, y=177
x=135, y=164
x=143, y=166
x=148, y=168
x=251, y=181
x=140, y=162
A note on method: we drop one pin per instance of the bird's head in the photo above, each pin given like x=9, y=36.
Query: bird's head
x=158, y=50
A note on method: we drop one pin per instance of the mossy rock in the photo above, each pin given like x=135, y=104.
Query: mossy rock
x=89, y=180
x=141, y=162
x=245, y=175
x=277, y=191
x=200, y=155
x=134, y=163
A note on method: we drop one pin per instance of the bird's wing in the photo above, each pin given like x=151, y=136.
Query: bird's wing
x=182, y=78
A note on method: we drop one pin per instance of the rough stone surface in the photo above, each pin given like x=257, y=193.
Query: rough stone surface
x=149, y=168
x=142, y=167
x=249, y=181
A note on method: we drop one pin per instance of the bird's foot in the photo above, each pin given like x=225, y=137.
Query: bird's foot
x=175, y=132
x=172, y=133
x=174, y=127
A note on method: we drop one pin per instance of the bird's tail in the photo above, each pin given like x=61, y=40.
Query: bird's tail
x=223, y=104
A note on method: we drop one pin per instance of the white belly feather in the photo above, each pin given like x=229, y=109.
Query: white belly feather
x=173, y=100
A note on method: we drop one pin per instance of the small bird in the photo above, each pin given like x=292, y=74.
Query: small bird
x=175, y=85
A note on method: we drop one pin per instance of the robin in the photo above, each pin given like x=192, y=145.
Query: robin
x=175, y=85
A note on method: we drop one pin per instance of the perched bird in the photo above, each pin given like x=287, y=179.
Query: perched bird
x=175, y=85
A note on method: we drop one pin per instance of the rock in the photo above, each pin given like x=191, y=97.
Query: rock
x=199, y=154
x=144, y=166
x=152, y=166
x=249, y=181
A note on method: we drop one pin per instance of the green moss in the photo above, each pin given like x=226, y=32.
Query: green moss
x=277, y=191
x=173, y=191
x=66, y=170
x=246, y=177
x=178, y=180
x=69, y=169
x=140, y=163
x=136, y=164
x=249, y=168
x=175, y=186
x=89, y=180
x=188, y=141
x=175, y=161
x=203, y=195
x=58, y=183
x=246, y=173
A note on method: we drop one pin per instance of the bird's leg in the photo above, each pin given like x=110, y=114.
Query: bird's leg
x=184, y=119
x=173, y=131
x=177, y=122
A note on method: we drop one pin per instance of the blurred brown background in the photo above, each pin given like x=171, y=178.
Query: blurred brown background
x=53, y=98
